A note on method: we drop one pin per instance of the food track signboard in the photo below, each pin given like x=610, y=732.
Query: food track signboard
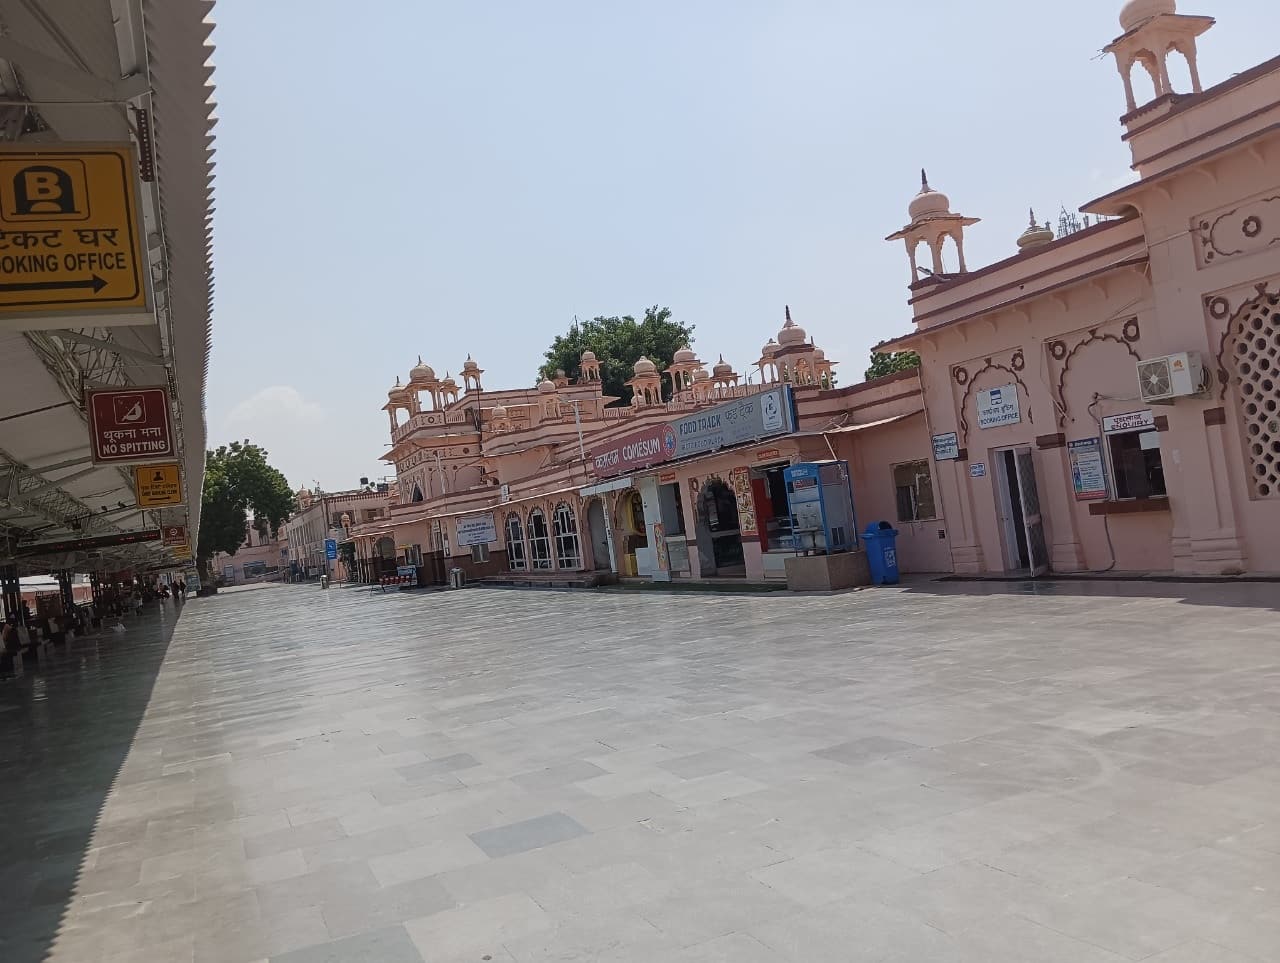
x=69, y=238
x=129, y=425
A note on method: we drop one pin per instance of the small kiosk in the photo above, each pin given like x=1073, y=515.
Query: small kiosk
x=824, y=528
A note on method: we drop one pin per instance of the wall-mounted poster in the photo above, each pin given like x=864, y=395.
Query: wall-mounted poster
x=740, y=485
x=1088, y=472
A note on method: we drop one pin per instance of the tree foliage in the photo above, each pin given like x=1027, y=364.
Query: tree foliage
x=618, y=344
x=239, y=483
x=895, y=361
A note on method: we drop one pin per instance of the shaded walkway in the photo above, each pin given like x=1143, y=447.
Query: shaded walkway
x=65, y=730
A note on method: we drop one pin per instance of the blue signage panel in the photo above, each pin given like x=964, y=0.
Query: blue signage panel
x=330, y=548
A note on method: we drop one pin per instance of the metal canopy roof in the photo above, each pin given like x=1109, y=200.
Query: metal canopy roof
x=77, y=71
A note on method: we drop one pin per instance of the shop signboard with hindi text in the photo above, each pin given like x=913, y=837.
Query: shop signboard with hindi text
x=477, y=530
x=639, y=449
x=69, y=238
x=129, y=424
x=736, y=422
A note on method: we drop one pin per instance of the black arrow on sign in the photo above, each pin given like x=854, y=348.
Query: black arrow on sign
x=96, y=283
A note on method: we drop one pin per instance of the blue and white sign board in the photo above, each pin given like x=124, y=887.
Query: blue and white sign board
x=946, y=447
x=978, y=469
x=735, y=422
x=407, y=570
x=998, y=406
x=331, y=548
x=477, y=530
x=1088, y=473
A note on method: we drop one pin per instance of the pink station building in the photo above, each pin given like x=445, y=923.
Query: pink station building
x=1108, y=400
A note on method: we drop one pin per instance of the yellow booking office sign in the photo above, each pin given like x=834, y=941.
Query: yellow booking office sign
x=157, y=485
x=69, y=229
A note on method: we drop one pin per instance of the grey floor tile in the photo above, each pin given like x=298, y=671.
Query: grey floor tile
x=528, y=834
x=389, y=945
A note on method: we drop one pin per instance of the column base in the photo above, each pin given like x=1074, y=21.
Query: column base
x=967, y=560
x=1218, y=553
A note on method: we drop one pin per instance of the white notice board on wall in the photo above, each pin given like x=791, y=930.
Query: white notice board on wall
x=998, y=406
x=477, y=530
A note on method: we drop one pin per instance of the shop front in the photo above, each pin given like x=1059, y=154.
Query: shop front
x=703, y=496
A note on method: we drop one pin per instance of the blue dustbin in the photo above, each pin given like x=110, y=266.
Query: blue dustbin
x=881, y=539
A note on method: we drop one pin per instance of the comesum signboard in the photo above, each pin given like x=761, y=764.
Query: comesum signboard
x=639, y=449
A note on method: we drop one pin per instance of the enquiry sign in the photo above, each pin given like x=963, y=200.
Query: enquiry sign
x=129, y=424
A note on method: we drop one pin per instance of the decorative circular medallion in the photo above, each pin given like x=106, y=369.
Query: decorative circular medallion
x=1057, y=350
x=1131, y=332
x=1018, y=361
x=1252, y=226
x=961, y=376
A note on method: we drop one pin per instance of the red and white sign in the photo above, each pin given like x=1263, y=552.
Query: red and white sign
x=639, y=449
x=175, y=535
x=129, y=424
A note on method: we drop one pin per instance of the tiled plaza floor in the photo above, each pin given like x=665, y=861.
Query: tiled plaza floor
x=976, y=773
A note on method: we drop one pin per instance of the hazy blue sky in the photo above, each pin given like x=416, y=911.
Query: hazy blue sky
x=405, y=177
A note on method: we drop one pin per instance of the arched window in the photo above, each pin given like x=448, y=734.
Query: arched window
x=515, y=544
x=539, y=540
x=568, y=549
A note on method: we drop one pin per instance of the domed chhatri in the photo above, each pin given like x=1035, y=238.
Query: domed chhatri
x=684, y=354
x=928, y=201
x=1137, y=12
x=1035, y=235
x=1153, y=29
x=722, y=367
x=932, y=223
x=770, y=349
x=470, y=365
x=422, y=372
x=791, y=333
x=702, y=374
x=644, y=366
x=397, y=391
x=588, y=355
x=546, y=387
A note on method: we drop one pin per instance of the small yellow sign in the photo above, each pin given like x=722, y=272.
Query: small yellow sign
x=180, y=552
x=69, y=238
x=157, y=485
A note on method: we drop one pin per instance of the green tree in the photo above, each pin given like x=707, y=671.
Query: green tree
x=891, y=363
x=618, y=344
x=239, y=483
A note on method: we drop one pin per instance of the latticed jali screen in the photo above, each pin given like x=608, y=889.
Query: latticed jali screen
x=1255, y=339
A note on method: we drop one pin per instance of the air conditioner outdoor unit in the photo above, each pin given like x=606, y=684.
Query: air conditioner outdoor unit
x=1170, y=377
